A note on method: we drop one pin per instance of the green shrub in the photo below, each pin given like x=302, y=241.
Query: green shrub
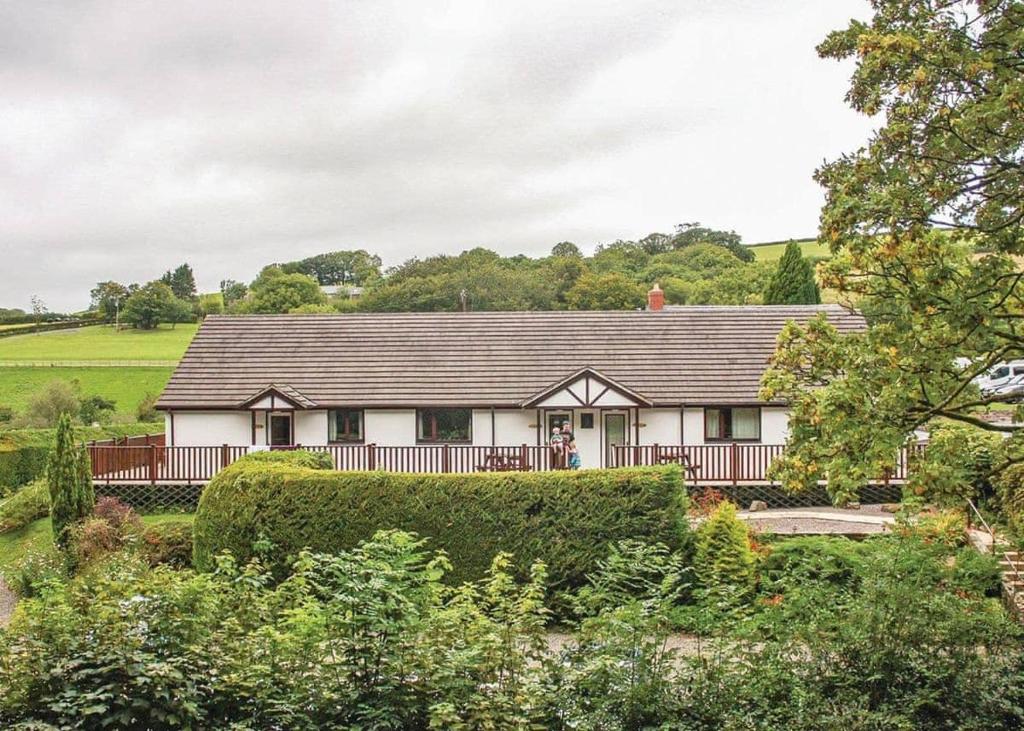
x=294, y=457
x=793, y=561
x=724, y=560
x=565, y=519
x=956, y=465
x=976, y=573
x=33, y=571
x=26, y=505
x=168, y=544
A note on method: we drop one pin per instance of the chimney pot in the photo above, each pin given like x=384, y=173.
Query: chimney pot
x=655, y=299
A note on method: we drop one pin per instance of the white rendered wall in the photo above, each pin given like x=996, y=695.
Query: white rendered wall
x=774, y=424
x=310, y=427
x=514, y=426
x=211, y=428
x=660, y=426
x=693, y=425
x=390, y=427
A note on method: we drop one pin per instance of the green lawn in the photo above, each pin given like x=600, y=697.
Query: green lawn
x=772, y=251
x=125, y=386
x=37, y=537
x=100, y=342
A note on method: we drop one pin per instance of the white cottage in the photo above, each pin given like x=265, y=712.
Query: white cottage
x=486, y=386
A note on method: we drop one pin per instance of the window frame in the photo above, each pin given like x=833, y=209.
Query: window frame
x=435, y=439
x=729, y=439
x=332, y=416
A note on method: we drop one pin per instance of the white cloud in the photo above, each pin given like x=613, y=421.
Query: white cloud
x=134, y=135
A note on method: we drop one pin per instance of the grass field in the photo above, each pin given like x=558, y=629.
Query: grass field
x=100, y=342
x=772, y=251
x=125, y=386
x=37, y=537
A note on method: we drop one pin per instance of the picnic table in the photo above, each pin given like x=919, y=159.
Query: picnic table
x=498, y=462
x=680, y=457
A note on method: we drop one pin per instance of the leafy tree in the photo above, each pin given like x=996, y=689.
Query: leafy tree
x=605, y=292
x=148, y=306
x=52, y=402
x=68, y=476
x=95, y=409
x=232, y=291
x=311, y=309
x=338, y=267
x=277, y=292
x=566, y=249
x=724, y=560
x=688, y=234
x=211, y=304
x=107, y=297
x=178, y=310
x=793, y=282
x=181, y=281
x=622, y=257
x=946, y=78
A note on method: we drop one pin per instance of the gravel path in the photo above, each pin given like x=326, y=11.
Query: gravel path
x=7, y=602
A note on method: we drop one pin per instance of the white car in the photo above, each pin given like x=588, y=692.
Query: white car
x=1014, y=386
x=1000, y=377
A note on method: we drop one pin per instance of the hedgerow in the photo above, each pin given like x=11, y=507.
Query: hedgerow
x=565, y=519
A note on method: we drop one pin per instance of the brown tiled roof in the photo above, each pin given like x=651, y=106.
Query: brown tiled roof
x=685, y=355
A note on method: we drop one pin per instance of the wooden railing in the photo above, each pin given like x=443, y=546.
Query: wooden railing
x=135, y=462
x=733, y=462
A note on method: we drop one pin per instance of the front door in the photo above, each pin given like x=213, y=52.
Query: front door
x=280, y=430
x=614, y=435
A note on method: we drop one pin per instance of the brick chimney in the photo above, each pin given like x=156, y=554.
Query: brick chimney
x=655, y=299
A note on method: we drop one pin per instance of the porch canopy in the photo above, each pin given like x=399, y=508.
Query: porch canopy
x=586, y=388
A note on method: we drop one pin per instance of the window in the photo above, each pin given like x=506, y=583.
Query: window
x=1001, y=372
x=586, y=421
x=444, y=425
x=345, y=425
x=739, y=424
x=556, y=420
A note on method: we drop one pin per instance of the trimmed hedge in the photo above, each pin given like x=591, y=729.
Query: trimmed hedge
x=23, y=452
x=566, y=519
x=295, y=457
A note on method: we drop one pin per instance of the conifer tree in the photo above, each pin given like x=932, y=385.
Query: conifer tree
x=67, y=472
x=793, y=282
x=724, y=561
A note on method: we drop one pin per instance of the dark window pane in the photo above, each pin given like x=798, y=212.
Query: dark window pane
x=445, y=425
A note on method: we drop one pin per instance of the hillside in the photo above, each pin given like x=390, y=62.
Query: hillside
x=122, y=366
x=772, y=250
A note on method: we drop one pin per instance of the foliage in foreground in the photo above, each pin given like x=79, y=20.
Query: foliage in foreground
x=374, y=638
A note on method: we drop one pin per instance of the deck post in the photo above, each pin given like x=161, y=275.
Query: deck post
x=656, y=455
x=223, y=456
x=524, y=465
x=371, y=456
x=446, y=458
x=734, y=466
x=152, y=464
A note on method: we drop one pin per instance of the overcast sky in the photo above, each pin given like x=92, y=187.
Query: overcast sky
x=135, y=135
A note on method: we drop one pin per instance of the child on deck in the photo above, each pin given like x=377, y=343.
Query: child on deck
x=574, y=456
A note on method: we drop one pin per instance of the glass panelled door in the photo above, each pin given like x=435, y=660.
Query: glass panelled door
x=280, y=430
x=614, y=435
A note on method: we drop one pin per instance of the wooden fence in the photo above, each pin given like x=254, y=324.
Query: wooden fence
x=146, y=459
x=731, y=463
